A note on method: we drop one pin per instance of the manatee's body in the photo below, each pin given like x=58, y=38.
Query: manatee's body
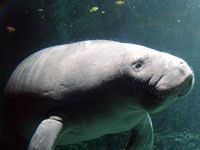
x=85, y=90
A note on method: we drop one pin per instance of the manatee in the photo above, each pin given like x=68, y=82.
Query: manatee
x=81, y=91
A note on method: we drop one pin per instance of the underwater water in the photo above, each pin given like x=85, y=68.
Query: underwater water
x=171, y=26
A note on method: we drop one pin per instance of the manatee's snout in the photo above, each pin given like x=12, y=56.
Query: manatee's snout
x=171, y=79
x=177, y=77
x=187, y=85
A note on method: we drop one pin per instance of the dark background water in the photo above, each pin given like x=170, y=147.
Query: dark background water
x=172, y=26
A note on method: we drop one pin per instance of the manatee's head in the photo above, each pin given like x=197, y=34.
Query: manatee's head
x=159, y=77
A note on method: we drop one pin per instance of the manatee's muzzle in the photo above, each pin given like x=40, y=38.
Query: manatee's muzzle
x=156, y=99
x=187, y=86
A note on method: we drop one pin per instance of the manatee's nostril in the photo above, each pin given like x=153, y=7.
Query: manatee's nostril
x=181, y=71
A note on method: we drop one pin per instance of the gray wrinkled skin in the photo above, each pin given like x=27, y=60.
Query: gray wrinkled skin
x=81, y=91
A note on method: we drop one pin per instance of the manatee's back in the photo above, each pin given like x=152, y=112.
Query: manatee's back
x=24, y=96
x=40, y=83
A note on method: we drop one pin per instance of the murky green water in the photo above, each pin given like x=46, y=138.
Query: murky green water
x=172, y=26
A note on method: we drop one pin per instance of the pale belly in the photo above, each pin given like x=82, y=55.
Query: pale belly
x=87, y=130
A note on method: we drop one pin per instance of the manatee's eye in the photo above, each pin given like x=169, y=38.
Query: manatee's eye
x=138, y=65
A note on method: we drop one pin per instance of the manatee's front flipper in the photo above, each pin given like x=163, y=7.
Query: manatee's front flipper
x=142, y=136
x=46, y=134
